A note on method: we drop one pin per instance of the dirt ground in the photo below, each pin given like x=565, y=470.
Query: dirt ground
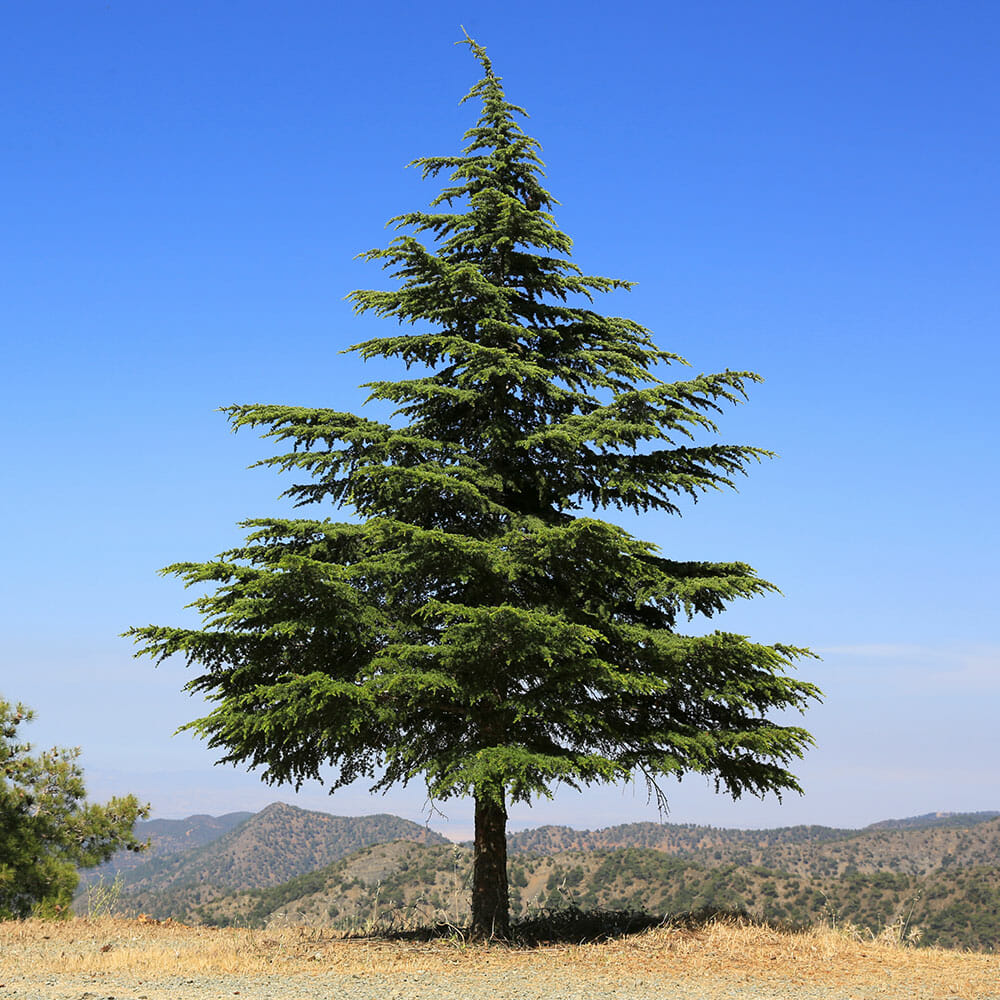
x=83, y=959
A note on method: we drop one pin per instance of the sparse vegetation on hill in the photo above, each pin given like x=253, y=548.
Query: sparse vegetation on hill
x=934, y=819
x=399, y=884
x=923, y=881
x=268, y=848
x=907, y=847
x=685, y=838
x=166, y=837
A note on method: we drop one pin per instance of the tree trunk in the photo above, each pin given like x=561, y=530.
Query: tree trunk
x=490, y=906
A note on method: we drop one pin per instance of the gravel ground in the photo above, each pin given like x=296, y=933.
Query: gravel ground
x=513, y=984
x=123, y=960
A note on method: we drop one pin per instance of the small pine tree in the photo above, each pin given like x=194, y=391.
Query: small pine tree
x=47, y=829
x=477, y=629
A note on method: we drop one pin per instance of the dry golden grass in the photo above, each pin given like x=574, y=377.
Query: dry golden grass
x=723, y=952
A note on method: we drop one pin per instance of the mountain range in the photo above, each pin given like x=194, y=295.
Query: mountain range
x=932, y=878
x=240, y=850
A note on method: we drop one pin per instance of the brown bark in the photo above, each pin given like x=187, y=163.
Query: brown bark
x=490, y=905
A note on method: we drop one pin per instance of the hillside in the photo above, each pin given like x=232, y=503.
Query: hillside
x=673, y=838
x=933, y=819
x=166, y=837
x=403, y=884
x=936, y=877
x=905, y=847
x=264, y=849
x=171, y=836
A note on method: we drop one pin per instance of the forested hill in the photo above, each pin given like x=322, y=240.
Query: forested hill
x=252, y=850
x=194, y=831
x=934, y=819
x=904, y=846
x=684, y=838
x=935, y=876
x=166, y=837
x=403, y=884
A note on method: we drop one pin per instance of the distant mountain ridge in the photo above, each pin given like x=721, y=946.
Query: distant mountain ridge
x=670, y=837
x=400, y=884
x=166, y=837
x=911, y=846
x=690, y=836
x=940, y=871
x=934, y=819
x=193, y=831
x=276, y=844
x=249, y=850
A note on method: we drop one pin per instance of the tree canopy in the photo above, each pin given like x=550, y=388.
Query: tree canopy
x=47, y=828
x=477, y=627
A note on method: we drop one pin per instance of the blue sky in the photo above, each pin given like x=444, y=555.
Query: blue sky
x=805, y=190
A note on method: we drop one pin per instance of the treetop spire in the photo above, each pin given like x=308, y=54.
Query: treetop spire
x=480, y=53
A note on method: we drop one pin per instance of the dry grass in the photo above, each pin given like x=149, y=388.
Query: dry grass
x=716, y=953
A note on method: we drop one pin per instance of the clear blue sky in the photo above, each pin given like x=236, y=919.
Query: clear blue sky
x=806, y=190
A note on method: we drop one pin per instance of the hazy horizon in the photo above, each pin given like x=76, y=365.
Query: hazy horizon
x=940, y=814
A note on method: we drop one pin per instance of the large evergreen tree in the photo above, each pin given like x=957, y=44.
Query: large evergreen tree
x=476, y=628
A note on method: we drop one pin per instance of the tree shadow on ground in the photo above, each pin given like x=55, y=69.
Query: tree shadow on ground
x=572, y=925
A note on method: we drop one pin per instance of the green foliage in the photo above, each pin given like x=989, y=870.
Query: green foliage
x=269, y=900
x=476, y=629
x=47, y=829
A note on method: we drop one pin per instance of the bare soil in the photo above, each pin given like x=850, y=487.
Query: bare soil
x=86, y=959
